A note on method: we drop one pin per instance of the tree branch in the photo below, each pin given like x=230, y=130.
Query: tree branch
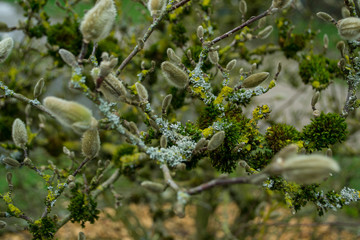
x=248, y=22
x=148, y=33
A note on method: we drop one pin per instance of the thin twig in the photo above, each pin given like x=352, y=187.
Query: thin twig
x=86, y=160
x=32, y=103
x=147, y=34
x=218, y=182
x=248, y=22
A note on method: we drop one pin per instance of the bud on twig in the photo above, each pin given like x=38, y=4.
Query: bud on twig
x=133, y=128
x=98, y=21
x=308, y=169
x=265, y=32
x=106, y=66
x=345, y=13
x=201, y=144
x=255, y=79
x=262, y=22
x=163, y=141
x=142, y=92
x=341, y=47
x=242, y=7
x=6, y=45
x=9, y=178
x=166, y=103
x=70, y=113
x=231, y=65
x=174, y=75
x=216, y=141
x=349, y=28
x=316, y=113
x=71, y=178
x=172, y=56
x=315, y=98
x=68, y=58
x=326, y=41
x=213, y=57
x=27, y=162
x=281, y=3
x=11, y=162
x=155, y=7
x=90, y=143
x=200, y=32
x=19, y=133
x=39, y=87
x=326, y=17
x=341, y=63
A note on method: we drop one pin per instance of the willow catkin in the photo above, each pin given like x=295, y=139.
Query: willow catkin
x=19, y=133
x=174, y=75
x=98, y=21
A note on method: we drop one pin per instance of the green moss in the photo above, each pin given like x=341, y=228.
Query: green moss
x=195, y=53
x=207, y=116
x=65, y=35
x=240, y=131
x=317, y=70
x=44, y=228
x=123, y=150
x=291, y=43
x=109, y=45
x=324, y=131
x=178, y=97
x=177, y=34
x=82, y=208
x=281, y=135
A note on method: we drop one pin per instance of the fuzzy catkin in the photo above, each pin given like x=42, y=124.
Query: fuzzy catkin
x=216, y=141
x=265, y=32
x=142, y=92
x=68, y=58
x=90, y=143
x=69, y=113
x=19, y=133
x=308, y=169
x=6, y=45
x=98, y=21
x=111, y=87
x=155, y=6
x=174, y=75
x=349, y=28
x=255, y=79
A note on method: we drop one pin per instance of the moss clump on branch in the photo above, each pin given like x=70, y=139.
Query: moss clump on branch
x=317, y=70
x=324, y=131
x=280, y=135
x=82, y=207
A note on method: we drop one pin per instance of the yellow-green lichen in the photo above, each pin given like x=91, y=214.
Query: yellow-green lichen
x=208, y=132
x=225, y=91
x=14, y=210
